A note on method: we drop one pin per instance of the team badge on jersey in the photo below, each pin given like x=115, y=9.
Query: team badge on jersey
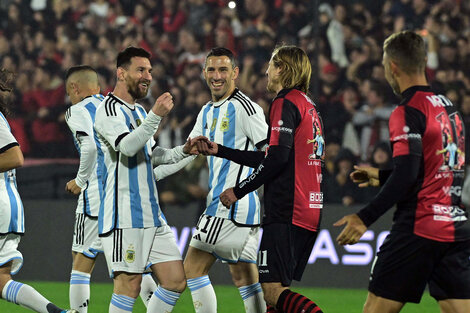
x=225, y=125
x=318, y=141
x=130, y=254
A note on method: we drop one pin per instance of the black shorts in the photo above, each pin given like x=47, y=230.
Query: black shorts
x=406, y=263
x=284, y=253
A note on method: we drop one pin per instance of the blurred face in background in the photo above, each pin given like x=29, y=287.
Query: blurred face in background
x=220, y=76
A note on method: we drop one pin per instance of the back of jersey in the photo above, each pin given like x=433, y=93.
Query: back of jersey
x=80, y=119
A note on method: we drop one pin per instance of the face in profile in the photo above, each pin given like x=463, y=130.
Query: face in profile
x=138, y=77
x=220, y=76
x=273, y=77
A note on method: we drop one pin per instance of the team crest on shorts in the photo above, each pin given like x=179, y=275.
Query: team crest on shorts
x=130, y=254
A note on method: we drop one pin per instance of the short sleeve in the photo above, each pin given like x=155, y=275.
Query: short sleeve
x=254, y=126
x=284, y=118
x=7, y=140
x=79, y=121
x=110, y=123
x=406, y=127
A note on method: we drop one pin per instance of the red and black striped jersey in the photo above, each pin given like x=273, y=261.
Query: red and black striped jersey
x=427, y=128
x=295, y=195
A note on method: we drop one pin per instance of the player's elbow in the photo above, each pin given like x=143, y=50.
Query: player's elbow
x=17, y=157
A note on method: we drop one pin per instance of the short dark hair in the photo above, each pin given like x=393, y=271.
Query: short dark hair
x=78, y=68
x=407, y=49
x=221, y=51
x=124, y=57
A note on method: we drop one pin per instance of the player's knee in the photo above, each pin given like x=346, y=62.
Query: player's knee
x=4, y=278
x=269, y=294
x=178, y=285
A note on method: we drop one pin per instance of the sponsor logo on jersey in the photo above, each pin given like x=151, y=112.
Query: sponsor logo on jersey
x=406, y=137
x=450, y=213
x=282, y=129
x=130, y=254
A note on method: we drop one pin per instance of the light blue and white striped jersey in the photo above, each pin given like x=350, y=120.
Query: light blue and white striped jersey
x=11, y=207
x=80, y=118
x=130, y=193
x=239, y=123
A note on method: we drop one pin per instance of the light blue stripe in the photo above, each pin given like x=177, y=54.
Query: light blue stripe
x=12, y=291
x=79, y=282
x=103, y=196
x=169, y=297
x=198, y=283
x=151, y=183
x=13, y=227
x=134, y=194
x=123, y=302
x=212, y=208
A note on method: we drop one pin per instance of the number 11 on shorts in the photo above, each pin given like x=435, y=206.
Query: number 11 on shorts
x=263, y=258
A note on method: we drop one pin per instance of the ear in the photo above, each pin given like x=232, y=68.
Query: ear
x=75, y=88
x=394, y=69
x=236, y=71
x=120, y=73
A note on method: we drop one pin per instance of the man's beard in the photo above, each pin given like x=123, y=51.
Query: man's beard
x=134, y=90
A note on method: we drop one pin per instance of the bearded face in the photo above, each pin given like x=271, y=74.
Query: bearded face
x=137, y=87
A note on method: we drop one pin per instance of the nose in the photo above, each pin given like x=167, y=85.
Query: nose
x=148, y=75
x=217, y=75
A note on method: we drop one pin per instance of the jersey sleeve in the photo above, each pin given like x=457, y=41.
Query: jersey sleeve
x=7, y=140
x=254, y=126
x=407, y=127
x=284, y=118
x=110, y=123
x=79, y=121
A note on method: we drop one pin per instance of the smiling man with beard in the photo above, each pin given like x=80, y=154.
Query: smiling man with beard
x=134, y=232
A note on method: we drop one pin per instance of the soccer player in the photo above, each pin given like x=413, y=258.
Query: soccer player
x=133, y=230
x=290, y=171
x=429, y=243
x=230, y=235
x=82, y=87
x=12, y=221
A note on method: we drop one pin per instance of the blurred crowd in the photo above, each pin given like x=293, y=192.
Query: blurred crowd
x=40, y=39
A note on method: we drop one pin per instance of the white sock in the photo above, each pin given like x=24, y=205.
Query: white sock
x=121, y=304
x=147, y=287
x=25, y=295
x=79, y=293
x=163, y=300
x=203, y=294
x=252, y=296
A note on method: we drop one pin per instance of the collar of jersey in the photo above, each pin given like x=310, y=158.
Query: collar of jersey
x=408, y=93
x=127, y=105
x=221, y=102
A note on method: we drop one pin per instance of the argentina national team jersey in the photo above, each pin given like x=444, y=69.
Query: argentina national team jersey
x=11, y=208
x=238, y=123
x=130, y=197
x=80, y=118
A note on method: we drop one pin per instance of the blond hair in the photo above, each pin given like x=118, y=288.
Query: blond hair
x=295, y=67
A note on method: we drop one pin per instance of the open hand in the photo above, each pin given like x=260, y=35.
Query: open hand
x=353, y=231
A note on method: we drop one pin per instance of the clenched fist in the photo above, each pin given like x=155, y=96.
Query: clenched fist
x=163, y=104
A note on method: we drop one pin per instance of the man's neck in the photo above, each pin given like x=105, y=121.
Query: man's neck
x=412, y=80
x=123, y=94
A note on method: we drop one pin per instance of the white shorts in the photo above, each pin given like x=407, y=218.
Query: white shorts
x=134, y=250
x=8, y=252
x=85, y=236
x=225, y=240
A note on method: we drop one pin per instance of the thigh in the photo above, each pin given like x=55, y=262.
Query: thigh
x=451, y=276
x=403, y=267
x=163, y=247
x=303, y=241
x=243, y=273
x=9, y=253
x=197, y=262
x=276, y=255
